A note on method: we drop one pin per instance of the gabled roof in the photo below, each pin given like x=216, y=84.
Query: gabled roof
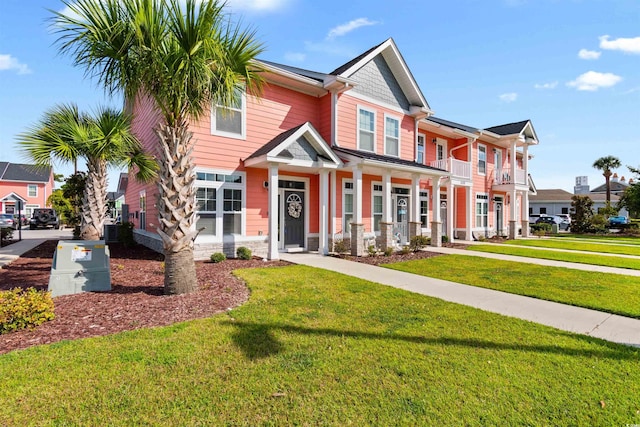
x=24, y=173
x=296, y=147
x=396, y=63
x=12, y=197
x=453, y=125
x=558, y=195
x=523, y=128
x=613, y=186
x=321, y=77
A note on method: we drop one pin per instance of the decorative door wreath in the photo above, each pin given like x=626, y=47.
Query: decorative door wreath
x=294, y=205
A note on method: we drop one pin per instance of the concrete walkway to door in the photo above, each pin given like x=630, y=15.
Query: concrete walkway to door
x=598, y=324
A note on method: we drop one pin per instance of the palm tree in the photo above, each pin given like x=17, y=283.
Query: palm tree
x=605, y=164
x=183, y=54
x=64, y=134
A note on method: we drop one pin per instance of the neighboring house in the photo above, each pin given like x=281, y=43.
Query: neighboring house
x=353, y=154
x=616, y=185
x=30, y=184
x=556, y=201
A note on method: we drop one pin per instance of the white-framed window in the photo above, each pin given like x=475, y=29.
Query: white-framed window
x=420, y=150
x=424, y=209
x=497, y=158
x=28, y=210
x=366, y=129
x=32, y=190
x=143, y=210
x=482, y=159
x=347, y=206
x=391, y=136
x=482, y=210
x=376, y=205
x=230, y=120
x=220, y=203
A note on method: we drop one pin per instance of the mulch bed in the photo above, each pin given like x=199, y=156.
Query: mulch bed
x=135, y=301
x=399, y=256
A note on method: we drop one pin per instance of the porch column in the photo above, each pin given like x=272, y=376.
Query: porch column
x=513, y=224
x=415, y=226
x=469, y=212
x=323, y=240
x=450, y=210
x=436, y=223
x=333, y=208
x=273, y=211
x=357, y=227
x=386, y=225
x=524, y=217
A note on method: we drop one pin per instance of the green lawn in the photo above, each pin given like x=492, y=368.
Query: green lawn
x=577, y=246
x=592, y=259
x=612, y=293
x=606, y=238
x=317, y=348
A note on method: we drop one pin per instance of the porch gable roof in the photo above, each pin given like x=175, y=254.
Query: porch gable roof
x=388, y=161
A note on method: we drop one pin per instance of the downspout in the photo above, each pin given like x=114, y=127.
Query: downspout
x=334, y=118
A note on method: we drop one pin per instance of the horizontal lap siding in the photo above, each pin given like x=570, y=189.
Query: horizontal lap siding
x=257, y=202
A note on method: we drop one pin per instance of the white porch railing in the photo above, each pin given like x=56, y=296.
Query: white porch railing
x=458, y=168
x=504, y=176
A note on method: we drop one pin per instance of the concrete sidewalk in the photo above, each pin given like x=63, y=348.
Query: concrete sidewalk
x=606, y=326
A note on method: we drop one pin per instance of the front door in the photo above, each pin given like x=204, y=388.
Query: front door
x=293, y=213
x=499, y=216
x=443, y=214
x=401, y=219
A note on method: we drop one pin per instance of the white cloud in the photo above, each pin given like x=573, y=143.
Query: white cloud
x=626, y=45
x=508, y=97
x=295, y=56
x=343, y=29
x=258, y=5
x=550, y=85
x=592, y=81
x=589, y=54
x=8, y=62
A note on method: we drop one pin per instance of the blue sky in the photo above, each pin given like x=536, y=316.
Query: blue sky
x=570, y=66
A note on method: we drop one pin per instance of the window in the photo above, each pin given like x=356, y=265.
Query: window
x=366, y=130
x=482, y=159
x=482, y=210
x=219, y=203
x=230, y=120
x=376, y=208
x=347, y=207
x=391, y=136
x=543, y=211
x=440, y=151
x=143, y=210
x=565, y=211
x=497, y=158
x=32, y=190
x=424, y=209
x=420, y=151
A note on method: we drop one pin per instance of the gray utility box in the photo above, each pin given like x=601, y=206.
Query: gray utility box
x=80, y=266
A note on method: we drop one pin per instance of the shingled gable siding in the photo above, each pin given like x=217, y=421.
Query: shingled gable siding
x=377, y=81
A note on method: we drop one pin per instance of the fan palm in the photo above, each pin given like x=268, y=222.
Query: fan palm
x=605, y=164
x=64, y=134
x=183, y=55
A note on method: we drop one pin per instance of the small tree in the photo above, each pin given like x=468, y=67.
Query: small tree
x=631, y=197
x=581, y=213
x=61, y=204
x=605, y=164
x=73, y=189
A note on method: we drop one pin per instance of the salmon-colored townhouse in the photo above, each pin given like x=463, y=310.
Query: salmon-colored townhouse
x=28, y=184
x=355, y=154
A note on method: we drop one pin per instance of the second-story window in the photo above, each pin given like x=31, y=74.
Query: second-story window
x=482, y=159
x=420, y=151
x=230, y=120
x=366, y=130
x=32, y=190
x=391, y=136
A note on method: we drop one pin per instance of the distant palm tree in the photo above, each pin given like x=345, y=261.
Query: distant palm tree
x=605, y=164
x=184, y=55
x=64, y=135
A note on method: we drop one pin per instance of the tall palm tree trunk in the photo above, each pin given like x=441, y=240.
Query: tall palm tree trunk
x=94, y=201
x=176, y=208
x=607, y=183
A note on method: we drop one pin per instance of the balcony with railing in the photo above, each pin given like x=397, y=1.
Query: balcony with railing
x=506, y=177
x=458, y=168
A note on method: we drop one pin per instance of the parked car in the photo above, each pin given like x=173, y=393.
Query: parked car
x=44, y=218
x=553, y=219
x=7, y=221
x=534, y=217
x=618, y=220
x=565, y=217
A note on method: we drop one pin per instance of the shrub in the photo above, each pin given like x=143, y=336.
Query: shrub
x=371, y=249
x=419, y=242
x=405, y=250
x=243, y=253
x=445, y=239
x=541, y=229
x=125, y=234
x=598, y=224
x=218, y=257
x=6, y=234
x=388, y=251
x=341, y=246
x=21, y=309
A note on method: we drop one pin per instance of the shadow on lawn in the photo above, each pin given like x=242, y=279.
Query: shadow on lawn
x=257, y=340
